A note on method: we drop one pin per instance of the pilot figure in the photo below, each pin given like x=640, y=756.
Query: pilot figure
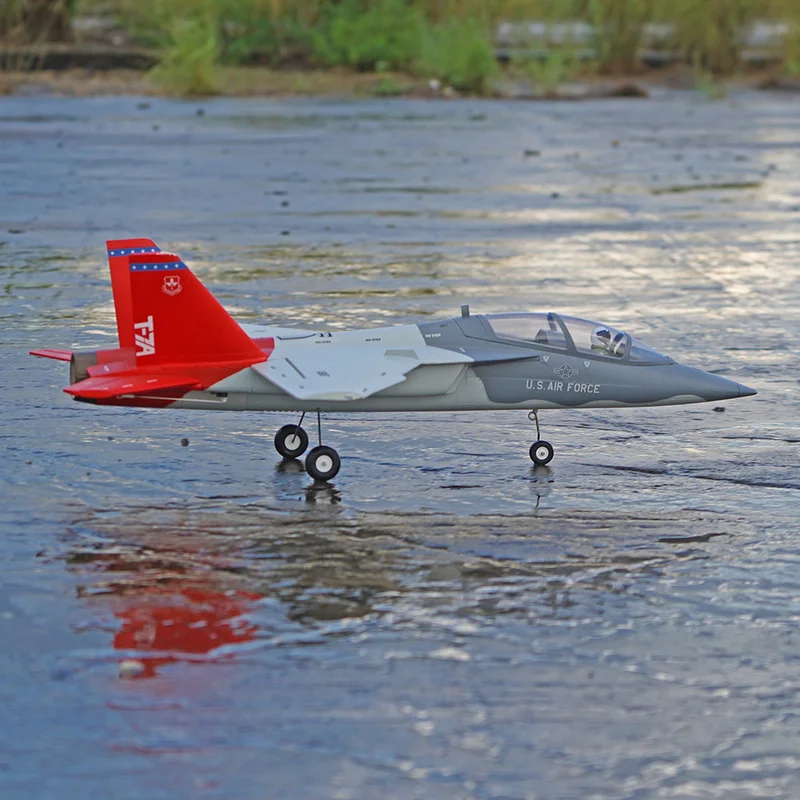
x=609, y=340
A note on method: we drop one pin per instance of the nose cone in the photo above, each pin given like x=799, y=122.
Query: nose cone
x=745, y=391
x=707, y=386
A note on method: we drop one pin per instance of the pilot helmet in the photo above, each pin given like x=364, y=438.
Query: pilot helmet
x=609, y=339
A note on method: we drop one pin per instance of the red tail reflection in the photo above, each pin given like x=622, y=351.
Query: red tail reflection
x=175, y=622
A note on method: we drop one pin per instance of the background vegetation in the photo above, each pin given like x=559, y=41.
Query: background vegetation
x=451, y=41
x=28, y=20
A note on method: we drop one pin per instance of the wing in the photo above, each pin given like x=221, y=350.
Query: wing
x=104, y=388
x=348, y=373
x=353, y=372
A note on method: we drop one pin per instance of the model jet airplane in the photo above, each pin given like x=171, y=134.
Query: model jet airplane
x=179, y=348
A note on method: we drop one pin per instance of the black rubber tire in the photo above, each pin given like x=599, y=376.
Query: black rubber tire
x=323, y=463
x=541, y=453
x=285, y=436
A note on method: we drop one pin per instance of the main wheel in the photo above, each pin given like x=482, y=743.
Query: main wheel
x=291, y=441
x=322, y=463
x=541, y=452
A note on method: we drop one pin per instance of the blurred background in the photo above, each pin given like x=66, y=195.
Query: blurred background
x=199, y=46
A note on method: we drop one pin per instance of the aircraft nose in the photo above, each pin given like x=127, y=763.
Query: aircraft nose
x=745, y=391
x=709, y=386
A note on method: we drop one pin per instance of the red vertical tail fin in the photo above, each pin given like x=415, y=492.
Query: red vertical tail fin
x=176, y=320
x=118, y=252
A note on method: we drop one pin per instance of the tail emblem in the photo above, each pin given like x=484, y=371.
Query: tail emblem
x=171, y=285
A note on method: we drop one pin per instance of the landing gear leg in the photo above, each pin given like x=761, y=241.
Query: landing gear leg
x=541, y=452
x=291, y=441
x=322, y=462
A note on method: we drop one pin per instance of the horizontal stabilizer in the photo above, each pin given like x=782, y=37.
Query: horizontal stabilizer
x=58, y=355
x=105, y=388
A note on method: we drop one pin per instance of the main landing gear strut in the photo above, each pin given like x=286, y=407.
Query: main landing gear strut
x=541, y=452
x=322, y=462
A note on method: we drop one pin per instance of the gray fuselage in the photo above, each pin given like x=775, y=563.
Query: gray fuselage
x=465, y=364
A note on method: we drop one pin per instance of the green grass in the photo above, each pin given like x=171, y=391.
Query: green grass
x=459, y=53
x=188, y=66
x=561, y=65
x=450, y=40
x=791, y=50
x=375, y=36
x=619, y=26
x=388, y=87
x=708, y=33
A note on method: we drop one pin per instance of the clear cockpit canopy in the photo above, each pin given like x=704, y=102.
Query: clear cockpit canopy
x=537, y=327
x=563, y=332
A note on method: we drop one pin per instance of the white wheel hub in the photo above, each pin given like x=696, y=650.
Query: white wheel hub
x=292, y=442
x=324, y=463
x=542, y=453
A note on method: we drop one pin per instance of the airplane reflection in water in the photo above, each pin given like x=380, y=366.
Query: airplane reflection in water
x=183, y=621
x=176, y=592
x=166, y=611
x=190, y=585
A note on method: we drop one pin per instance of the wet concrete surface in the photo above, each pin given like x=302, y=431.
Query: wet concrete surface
x=444, y=621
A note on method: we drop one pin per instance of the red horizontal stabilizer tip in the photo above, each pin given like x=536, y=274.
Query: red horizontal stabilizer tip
x=106, y=388
x=58, y=355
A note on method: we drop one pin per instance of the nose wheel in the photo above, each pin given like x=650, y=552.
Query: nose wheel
x=322, y=462
x=541, y=452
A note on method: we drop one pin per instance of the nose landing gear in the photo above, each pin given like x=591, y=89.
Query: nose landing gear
x=541, y=452
x=322, y=462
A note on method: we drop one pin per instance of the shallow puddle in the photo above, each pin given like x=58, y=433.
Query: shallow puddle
x=445, y=620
